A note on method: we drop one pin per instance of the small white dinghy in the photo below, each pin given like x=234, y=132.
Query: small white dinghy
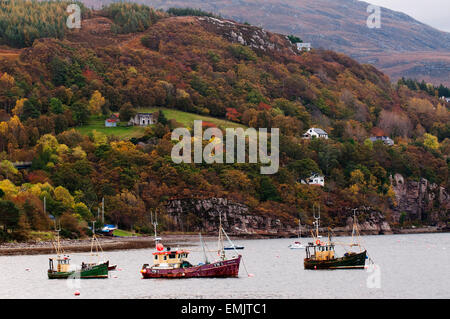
x=296, y=245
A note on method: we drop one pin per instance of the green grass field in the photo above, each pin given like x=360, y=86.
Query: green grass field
x=126, y=132
x=187, y=119
x=123, y=132
x=124, y=233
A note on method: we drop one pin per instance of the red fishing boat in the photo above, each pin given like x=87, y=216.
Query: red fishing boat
x=169, y=263
x=173, y=264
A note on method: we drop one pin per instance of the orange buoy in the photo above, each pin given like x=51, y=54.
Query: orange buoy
x=160, y=247
x=318, y=242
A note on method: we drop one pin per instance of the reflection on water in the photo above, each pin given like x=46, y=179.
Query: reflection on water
x=410, y=266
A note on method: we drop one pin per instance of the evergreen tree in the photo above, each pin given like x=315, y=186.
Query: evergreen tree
x=162, y=118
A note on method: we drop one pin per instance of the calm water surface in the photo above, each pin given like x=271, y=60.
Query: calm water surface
x=411, y=266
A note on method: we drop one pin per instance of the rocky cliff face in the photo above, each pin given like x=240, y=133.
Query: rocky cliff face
x=254, y=37
x=191, y=214
x=370, y=222
x=422, y=201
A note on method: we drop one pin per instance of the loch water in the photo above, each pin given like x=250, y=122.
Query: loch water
x=407, y=266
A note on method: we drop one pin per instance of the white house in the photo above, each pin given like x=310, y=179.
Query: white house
x=315, y=133
x=304, y=46
x=142, y=119
x=314, y=179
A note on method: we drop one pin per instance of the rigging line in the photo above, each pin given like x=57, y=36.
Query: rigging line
x=234, y=248
x=203, y=247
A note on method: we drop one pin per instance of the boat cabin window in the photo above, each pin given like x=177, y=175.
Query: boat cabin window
x=156, y=257
x=172, y=256
x=165, y=257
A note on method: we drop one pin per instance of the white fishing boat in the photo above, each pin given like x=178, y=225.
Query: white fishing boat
x=297, y=244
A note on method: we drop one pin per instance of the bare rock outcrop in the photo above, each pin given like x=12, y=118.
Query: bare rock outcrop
x=420, y=200
x=251, y=36
x=194, y=214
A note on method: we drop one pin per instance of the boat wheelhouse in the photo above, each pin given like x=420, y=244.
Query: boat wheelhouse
x=171, y=259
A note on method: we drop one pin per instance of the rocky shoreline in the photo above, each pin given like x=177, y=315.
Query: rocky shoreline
x=84, y=245
x=146, y=242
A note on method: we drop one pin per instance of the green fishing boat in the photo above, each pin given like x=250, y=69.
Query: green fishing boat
x=87, y=271
x=321, y=255
x=60, y=268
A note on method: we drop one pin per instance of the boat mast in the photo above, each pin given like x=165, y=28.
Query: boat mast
x=58, y=244
x=355, y=230
x=93, y=240
x=155, y=224
x=317, y=221
x=221, y=250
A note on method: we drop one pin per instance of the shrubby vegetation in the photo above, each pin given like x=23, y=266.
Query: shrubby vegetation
x=21, y=21
x=190, y=12
x=57, y=85
x=432, y=90
x=294, y=39
x=129, y=17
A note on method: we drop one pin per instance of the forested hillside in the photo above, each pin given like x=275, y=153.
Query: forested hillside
x=205, y=66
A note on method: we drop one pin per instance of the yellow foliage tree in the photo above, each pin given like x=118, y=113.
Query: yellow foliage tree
x=430, y=141
x=96, y=102
x=18, y=109
x=9, y=188
x=63, y=195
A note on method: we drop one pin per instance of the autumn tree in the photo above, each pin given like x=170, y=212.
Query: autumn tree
x=96, y=102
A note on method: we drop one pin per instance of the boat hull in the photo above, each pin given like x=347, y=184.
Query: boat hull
x=220, y=269
x=112, y=267
x=98, y=271
x=354, y=261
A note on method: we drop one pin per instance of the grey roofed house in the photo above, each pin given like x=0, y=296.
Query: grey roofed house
x=315, y=132
x=143, y=119
x=385, y=139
